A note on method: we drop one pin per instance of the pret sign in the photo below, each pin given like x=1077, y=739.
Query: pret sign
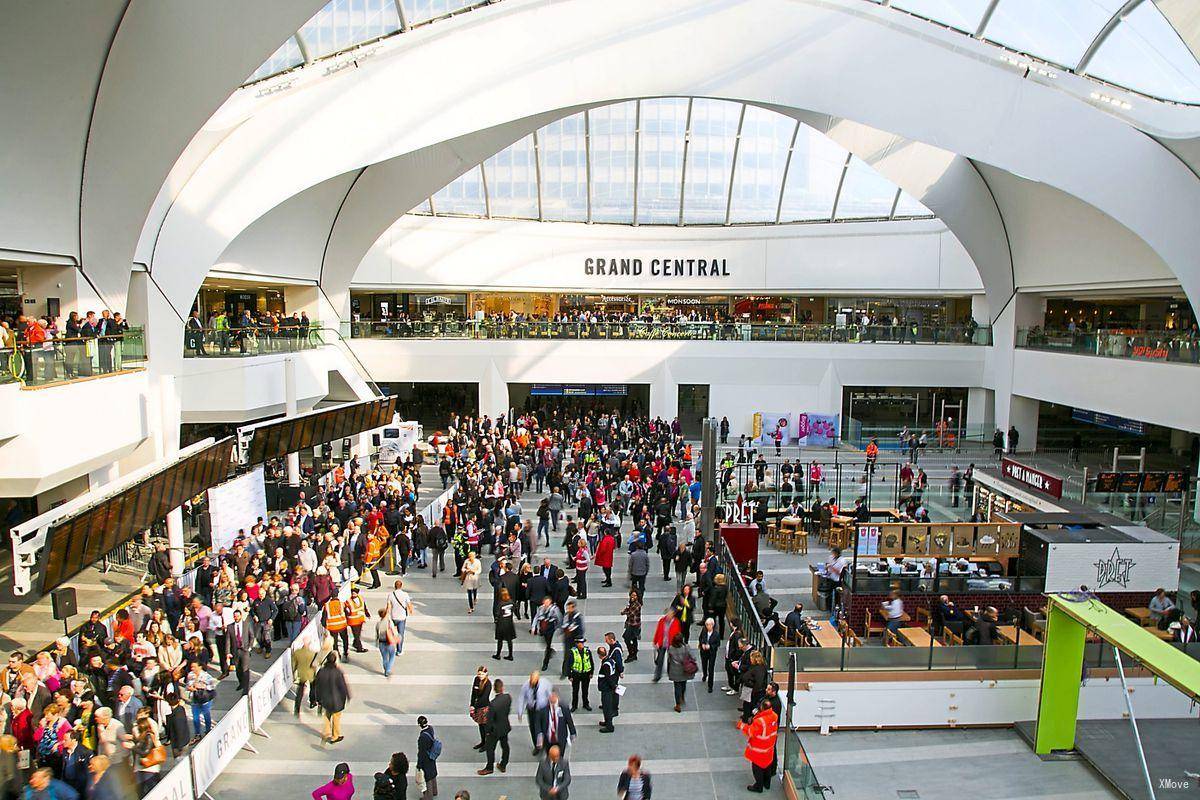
x=1035, y=479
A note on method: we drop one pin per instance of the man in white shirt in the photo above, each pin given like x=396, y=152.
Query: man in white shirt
x=399, y=606
x=835, y=565
x=893, y=611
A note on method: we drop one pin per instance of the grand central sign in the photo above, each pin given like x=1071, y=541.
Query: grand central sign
x=658, y=267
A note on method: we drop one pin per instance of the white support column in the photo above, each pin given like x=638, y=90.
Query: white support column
x=981, y=411
x=175, y=545
x=289, y=400
x=1023, y=311
x=664, y=395
x=493, y=393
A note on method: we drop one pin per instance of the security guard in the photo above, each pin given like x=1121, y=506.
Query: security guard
x=356, y=617
x=580, y=671
x=607, y=680
x=761, y=733
x=333, y=616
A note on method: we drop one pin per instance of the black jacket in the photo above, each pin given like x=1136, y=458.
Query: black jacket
x=623, y=785
x=499, y=711
x=330, y=689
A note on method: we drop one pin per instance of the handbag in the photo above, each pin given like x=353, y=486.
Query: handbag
x=156, y=756
x=480, y=715
x=747, y=694
x=393, y=635
x=689, y=665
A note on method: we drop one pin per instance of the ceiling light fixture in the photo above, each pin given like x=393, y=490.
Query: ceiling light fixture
x=1112, y=101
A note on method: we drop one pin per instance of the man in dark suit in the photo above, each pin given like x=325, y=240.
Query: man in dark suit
x=537, y=589
x=75, y=761
x=557, y=722
x=606, y=681
x=239, y=638
x=498, y=728
x=1186, y=633
x=553, y=776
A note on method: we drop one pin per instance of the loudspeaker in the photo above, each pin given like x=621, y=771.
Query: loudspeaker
x=63, y=601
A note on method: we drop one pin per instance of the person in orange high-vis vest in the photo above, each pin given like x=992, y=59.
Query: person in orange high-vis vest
x=761, y=733
x=333, y=616
x=356, y=616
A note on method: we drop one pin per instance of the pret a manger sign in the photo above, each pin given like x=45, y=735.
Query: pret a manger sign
x=1035, y=479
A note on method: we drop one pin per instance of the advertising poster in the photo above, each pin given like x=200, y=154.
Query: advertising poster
x=782, y=421
x=818, y=430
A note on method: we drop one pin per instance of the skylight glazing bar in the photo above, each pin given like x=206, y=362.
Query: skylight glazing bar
x=537, y=165
x=305, y=53
x=895, y=202
x=1108, y=28
x=737, y=143
x=986, y=18
x=487, y=201
x=400, y=13
x=432, y=207
x=787, y=166
x=637, y=156
x=687, y=137
x=837, y=197
x=587, y=160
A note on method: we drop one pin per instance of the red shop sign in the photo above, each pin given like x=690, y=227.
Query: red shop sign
x=1035, y=479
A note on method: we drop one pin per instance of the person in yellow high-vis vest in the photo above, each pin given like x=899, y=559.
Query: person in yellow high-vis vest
x=333, y=617
x=356, y=617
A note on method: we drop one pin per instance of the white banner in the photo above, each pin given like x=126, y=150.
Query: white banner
x=214, y=752
x=270, y=689
x=235, y=505
x=433, y=512
x=176, y=784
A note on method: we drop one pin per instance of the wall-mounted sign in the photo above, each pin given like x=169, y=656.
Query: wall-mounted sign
x=1113, y=567
x=1146, y=482
x=1043, y=482
x=658, y=267
x=438, y=300
x=578, y=390
x=1108, y=421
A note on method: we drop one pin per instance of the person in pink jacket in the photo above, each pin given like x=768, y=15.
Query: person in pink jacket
x=340, y=788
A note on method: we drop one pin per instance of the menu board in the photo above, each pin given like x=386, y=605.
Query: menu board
x=1129, y=482
x=941, y=538
x=1174, y=481
x=891, y=540
x=916, y=540
x=964, y=541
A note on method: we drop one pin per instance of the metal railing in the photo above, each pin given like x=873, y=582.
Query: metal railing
x=673, y=331
x=61, y=360
x=749, y=622
x=1178, y=347
x=251, y=341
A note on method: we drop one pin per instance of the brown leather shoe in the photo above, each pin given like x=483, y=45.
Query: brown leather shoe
x=483, y=772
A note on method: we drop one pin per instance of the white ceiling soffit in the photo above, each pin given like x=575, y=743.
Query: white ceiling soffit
x=836, y=59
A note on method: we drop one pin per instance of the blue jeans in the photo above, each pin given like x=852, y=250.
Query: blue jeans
x=200, y=710
x=894, y=625
x=399, y=623
x=387, y=652
x=294, y=627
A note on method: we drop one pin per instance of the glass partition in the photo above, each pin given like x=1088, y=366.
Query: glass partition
x=1175, y=346
x=60, y=360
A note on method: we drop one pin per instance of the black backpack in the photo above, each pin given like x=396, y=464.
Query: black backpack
x=385, y=787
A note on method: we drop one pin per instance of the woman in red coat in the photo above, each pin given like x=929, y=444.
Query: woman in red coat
x=604, y=556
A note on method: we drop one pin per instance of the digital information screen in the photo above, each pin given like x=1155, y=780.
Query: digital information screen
x=78, y=541
x=578, y=390
x=277, y=439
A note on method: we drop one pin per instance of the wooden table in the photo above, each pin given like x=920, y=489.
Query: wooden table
x=1140, y=615
x=826, y=635
x=917, y=637
x=1010, y=634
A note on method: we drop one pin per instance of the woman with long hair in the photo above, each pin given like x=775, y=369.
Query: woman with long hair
x=506, y=630
x=471, y=570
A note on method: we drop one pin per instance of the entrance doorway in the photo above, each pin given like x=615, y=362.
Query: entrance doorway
x=568, y=400
x=693, y=407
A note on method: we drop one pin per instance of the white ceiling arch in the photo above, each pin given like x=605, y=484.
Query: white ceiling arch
x=522, y=58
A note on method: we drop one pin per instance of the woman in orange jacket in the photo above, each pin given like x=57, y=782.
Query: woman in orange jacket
x=761, y=733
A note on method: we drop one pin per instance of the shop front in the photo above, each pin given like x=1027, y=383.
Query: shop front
x=1015, y=488
x=446, y=305
x=573, y=304
x=524, y=304
x=697, y=306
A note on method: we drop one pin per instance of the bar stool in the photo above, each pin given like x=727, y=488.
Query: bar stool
x=799, y=543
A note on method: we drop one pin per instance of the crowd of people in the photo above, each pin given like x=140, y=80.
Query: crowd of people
x=83, y=345
x=249, y=332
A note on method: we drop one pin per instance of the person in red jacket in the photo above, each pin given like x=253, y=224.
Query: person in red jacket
x=604, y=556
x=761, y=733
x=664, y=634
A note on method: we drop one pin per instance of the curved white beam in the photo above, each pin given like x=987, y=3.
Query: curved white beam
x=843, y=58
x=171, y=65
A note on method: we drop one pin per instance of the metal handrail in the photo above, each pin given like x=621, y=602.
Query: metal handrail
x=755, y=631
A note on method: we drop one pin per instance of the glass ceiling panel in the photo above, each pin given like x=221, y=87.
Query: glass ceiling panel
x=812, y=178
x=423, y=10
x=463, y=195
x=1144, y=52
x=865, y=193
x=612, y=138
x=563, y=150
x=1059, y=31
x=344, y=23
x=964, y=15
x=709, y=160
x=512, y=181
x=424, y=208
x=287, y=56
x=909, y=206
x=663, y=124
x=762, y=157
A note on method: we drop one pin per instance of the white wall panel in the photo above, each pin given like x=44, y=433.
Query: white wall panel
x=902, y=257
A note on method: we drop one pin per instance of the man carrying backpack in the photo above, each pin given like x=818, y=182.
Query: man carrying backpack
x=429, y=749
